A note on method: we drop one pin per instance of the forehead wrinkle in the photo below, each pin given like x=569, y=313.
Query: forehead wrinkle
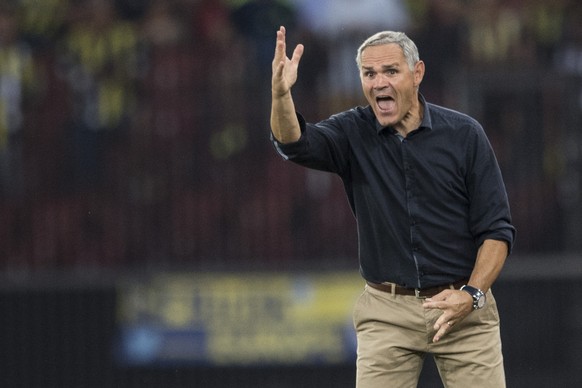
x=382, y=55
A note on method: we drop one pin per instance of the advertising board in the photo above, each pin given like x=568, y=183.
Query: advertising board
x=238, y=319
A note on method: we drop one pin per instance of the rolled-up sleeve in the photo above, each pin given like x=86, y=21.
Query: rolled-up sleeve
x=322, y=146
x=490, y=215
x=288, y=150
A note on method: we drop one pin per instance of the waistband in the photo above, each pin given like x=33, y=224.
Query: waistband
x=395, y=289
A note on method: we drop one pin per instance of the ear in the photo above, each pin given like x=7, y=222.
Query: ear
x=418, y=73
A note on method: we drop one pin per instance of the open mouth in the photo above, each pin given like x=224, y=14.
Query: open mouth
x=385, y=103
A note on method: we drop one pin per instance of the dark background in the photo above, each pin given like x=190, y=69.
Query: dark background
x=134, y=139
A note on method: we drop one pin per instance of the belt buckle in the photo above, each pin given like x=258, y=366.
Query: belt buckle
x=417, y=294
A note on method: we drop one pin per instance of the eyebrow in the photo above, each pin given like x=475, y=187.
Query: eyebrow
x=384, y=67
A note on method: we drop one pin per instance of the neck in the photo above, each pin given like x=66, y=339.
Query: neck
x=412, y=120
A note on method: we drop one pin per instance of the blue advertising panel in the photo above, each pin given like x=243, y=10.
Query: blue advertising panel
x=238, y=319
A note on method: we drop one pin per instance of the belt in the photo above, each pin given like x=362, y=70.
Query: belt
x=419, y=293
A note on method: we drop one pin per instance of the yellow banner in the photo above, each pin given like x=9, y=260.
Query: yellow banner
x=220, y=318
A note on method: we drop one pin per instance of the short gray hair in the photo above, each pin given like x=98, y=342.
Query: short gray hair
x=386, y=37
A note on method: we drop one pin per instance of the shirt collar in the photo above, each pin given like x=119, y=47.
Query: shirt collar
x=425, y=123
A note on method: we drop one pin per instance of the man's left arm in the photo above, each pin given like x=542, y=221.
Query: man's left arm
x=490, y=260
x=457, y=304
x=490, y=221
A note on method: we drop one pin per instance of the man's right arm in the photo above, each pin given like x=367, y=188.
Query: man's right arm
x=284, y=122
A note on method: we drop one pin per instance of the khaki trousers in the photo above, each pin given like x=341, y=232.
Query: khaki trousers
x=395, y=333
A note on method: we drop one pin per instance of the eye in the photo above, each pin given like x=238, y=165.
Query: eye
x=369, y=74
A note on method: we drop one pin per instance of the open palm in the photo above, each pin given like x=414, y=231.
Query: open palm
x=284, y=68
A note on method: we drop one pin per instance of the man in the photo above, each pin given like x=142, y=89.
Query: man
x=433, y=218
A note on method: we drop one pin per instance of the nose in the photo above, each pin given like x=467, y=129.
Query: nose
x=381, y=81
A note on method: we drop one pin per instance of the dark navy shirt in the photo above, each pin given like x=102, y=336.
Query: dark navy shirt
x=423, y=204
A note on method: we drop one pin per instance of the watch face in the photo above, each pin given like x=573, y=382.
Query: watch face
x=479, y=297
x=481, y=302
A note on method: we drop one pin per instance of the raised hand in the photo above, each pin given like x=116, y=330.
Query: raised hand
x=284, y=69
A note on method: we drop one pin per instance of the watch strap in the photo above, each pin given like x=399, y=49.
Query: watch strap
x=476, y=294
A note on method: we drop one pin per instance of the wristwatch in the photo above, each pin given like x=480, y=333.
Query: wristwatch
x=478, y=296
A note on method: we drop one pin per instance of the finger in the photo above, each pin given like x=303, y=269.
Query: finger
x=443, y=321
x=438, y=301
x=439, y=335
x=280, y=46
x=297, y=54
x=440, y=322
x=282, y=35
x=442, y=330
x=443, y=295
x=433, y=304
x=278, y=69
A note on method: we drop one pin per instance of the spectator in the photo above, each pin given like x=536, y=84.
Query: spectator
x=100, y=58
x=496, y=35
x=16, y=84
x=257, y=20
x=441, y=32
x=42, y=22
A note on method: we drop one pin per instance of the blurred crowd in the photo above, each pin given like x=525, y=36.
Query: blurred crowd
x=135, y=132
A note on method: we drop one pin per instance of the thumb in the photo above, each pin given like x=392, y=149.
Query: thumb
x=297, y=54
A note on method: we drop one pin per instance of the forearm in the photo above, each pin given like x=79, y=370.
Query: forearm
x=490, y=260
x=456, y=305
x=284, y=122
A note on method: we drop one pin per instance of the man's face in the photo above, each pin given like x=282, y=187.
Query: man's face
x=388, y=83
